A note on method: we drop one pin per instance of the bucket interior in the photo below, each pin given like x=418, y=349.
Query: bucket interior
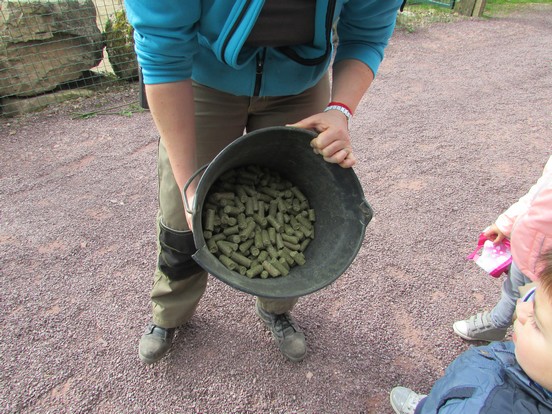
x=342, y=213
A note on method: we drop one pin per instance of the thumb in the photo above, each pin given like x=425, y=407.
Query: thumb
x=498, y=239
x=300, y=124
x=307, y=123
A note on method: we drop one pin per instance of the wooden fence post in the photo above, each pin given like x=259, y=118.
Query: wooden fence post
x=470, y=7
x=479, y=8
x=464, y=7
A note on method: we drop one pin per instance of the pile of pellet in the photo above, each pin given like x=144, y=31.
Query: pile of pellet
x=256, y=222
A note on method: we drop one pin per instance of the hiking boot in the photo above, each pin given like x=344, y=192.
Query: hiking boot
x=286, y=333
x=479, y=328
x=404, y=400
x=155, y=343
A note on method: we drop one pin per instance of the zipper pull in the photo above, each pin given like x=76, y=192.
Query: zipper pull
x=260, y=63
x=259, y=72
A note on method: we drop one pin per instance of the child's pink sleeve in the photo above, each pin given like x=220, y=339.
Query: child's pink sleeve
x=506, y=220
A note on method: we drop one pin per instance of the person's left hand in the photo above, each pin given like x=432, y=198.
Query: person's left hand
x=333, y=141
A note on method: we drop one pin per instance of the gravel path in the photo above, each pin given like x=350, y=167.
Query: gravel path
x=456, y=127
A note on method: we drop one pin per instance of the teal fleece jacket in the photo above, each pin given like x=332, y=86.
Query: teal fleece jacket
x=205, y=40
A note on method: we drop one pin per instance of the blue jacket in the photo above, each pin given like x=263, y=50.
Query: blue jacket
x=204, y=40
x=487, y=380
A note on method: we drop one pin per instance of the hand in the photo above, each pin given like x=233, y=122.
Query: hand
x=333, y=141
x=191, y=199
x=493, y=233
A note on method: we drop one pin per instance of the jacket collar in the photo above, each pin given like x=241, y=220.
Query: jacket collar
x=505, y=354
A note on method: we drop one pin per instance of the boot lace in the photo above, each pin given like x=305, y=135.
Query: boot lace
x=284, y=324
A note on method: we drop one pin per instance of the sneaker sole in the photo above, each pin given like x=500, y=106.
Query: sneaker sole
x=469, y=338
x=393, y=405
x=461, y=335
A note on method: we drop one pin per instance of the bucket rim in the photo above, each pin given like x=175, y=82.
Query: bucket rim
x=225, y=160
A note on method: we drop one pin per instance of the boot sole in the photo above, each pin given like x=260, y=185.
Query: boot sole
x=149, y=361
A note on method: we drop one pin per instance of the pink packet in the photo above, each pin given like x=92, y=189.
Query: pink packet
x=494, y=259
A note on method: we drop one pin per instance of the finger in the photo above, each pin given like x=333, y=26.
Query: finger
x=348, y=162
x=307, y=123
x=489, y=233
x=299, y=124
x=337, y=158
x=334, y=136
x=314, y=146
x=333, y=148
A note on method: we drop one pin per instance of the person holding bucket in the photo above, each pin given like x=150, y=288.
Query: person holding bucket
x=213, y=70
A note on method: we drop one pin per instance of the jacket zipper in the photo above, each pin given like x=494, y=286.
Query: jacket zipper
x=259, y=72
x=233, y=30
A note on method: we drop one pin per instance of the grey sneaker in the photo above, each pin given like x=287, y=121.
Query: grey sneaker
x=479, y=328
x=404, y=400
x=286, y=333
x=155, y=343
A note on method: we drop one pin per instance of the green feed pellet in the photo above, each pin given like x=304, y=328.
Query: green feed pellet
x=257, y=223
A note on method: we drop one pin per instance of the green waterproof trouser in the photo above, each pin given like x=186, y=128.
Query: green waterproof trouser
x=179, y=282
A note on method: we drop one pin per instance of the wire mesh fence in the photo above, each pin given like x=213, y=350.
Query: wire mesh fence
x=51, y=51
x=55, y=50
x=443, y=3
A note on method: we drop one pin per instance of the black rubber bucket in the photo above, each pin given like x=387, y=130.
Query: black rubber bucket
x=342, y=213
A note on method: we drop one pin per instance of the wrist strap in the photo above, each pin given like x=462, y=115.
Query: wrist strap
x=341, y=107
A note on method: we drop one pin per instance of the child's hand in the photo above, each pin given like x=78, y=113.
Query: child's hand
x=493, y=233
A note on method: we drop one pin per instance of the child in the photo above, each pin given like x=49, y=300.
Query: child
x=528, y=225
x=503, y=377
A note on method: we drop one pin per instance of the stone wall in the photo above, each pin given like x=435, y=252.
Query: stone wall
x=44, y=44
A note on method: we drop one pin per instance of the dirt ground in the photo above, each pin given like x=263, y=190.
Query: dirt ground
x=456, y=127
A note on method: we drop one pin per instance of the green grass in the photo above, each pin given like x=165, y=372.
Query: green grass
x=514, y=2
x=416, y=16
x=499, y=7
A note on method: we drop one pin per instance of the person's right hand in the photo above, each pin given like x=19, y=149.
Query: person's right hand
x=493, y=233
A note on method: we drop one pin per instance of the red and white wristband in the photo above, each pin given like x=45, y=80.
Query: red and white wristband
x=341, y=107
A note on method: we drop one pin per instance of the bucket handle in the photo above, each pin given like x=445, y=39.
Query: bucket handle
x=188, y=183
x=367, y=211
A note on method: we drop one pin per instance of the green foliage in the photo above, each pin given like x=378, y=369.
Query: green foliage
x=421, y=15
x=120, y=46
x=122, y=110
